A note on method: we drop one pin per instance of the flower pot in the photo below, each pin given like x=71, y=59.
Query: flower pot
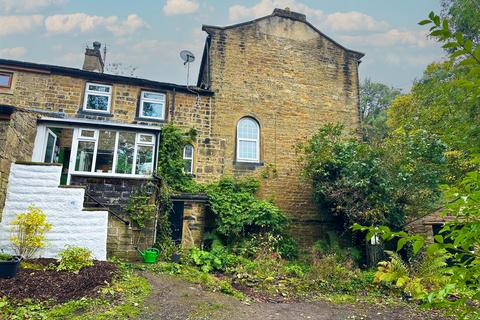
x=9, y=269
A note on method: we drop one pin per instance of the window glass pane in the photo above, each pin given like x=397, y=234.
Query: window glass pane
x=105, y=150
x=152, y=109
x=247, y=129
x=5, y=80
x=153, y=95
x=247, y=150
x=84, y=156
x=188, y=152
x=144, y=160
x=126, y=145
x=95, y=102
x=98, y=88
x=88, y=133
x=146, y=138
x=50, y=148
x=188, y=166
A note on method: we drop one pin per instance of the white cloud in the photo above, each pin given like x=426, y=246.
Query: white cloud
x=67, y=23
x=390, y=38
x=353, y=21
x=27, y=5
x=12, y=53
x=265, y=7
x=128, y=26
x=81, y=22
x=178, y=7
x=19, y=24
x=338, y=21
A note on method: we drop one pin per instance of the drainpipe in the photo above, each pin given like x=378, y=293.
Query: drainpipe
x=172, y=106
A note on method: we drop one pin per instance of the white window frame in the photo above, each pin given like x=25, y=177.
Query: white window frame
x=257, y=142
x=139, y=143
x=143, y=99
x=96, y=93
x=10, y=79
x=77, y=138
x=189, y=158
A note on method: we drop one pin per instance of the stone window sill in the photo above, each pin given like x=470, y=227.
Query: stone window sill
x=140, y=119
x=93, y=113
x=247, y=165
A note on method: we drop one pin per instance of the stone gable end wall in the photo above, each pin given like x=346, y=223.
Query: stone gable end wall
x=292, y=80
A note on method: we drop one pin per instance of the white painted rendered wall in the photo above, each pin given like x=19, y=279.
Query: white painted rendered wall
x=38, y=185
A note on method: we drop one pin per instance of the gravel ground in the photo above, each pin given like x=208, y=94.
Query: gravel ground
x=175, y=299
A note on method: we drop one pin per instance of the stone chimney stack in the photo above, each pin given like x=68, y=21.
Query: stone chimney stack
x=93, y=58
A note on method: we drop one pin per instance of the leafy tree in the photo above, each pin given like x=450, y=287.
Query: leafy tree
x=457, y=246
x=375, y=98
x=374, y=183
x=463, y=16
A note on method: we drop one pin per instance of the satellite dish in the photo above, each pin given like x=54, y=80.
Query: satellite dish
x=187, y=56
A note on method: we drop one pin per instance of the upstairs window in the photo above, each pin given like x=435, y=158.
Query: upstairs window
x=98, y=97
x=5, y=79
x=152, y=105
x=188, y=158
x=248, y=140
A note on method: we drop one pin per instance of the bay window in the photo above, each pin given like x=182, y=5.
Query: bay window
x=112, y=152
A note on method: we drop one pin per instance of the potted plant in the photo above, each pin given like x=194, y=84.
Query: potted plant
x=9, y=265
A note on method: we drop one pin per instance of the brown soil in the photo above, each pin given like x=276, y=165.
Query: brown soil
x=57, y=286
x=175, y=299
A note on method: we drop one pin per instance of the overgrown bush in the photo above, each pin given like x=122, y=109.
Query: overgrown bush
x=374, y=183
x=238, y=214
x=74, y=259
x=266, y=245
x=28, y=232
x=331, y=245
x=213, y=260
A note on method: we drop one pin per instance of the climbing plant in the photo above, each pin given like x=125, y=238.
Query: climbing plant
x=141, y=207
x=171, y=166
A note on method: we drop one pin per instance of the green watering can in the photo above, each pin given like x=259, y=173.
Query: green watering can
x=150, y=255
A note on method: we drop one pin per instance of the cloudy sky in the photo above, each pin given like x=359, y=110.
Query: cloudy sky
x=149, y=34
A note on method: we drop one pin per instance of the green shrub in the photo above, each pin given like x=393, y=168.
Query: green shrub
x=331, y=246
x=74, y=259
x=167, y=248
x=218, y=259
x=28, y=232
x=238, y=214
x=5, y=257
x=266, y=245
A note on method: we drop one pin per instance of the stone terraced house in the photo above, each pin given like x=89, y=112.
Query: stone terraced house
x=264, y=86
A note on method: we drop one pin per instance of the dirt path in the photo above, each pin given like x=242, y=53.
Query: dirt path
x=175, y=299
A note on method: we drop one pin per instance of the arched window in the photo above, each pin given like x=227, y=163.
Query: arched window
x=248, y=140
x=188, y=157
